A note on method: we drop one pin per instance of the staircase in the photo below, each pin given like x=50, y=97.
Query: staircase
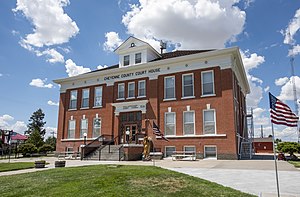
x=107, y=153
x=246, y=152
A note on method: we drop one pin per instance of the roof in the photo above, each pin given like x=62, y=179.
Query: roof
x=266, y=139
x=19, y=137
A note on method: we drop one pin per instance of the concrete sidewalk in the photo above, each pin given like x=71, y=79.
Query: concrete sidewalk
x=251, y=176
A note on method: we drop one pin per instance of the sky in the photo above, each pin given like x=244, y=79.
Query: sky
x=45, y=40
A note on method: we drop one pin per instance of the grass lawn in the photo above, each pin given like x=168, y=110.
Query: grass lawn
x=111, y=180
x=15, y=166
x=295, y=163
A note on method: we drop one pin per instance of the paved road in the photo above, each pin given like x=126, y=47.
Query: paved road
x=251, y=176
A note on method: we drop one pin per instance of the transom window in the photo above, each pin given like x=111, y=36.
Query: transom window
x=85, y=98
x=169, y=87
x=71, y=130
x=126, y=60
x=189, y=123
x=96, y=127
x=98, y=96
x=142, y=88
x=188, y=85
x=73, y=99
x=138, y=58
x=209, y=122
x=207, y=83
x=83, y=127
x=131, y=90
x=170, y=123
x=121, y=91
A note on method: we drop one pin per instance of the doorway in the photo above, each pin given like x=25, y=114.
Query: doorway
x=130, y=133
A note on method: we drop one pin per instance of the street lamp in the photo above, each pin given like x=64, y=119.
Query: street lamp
x=84, y=138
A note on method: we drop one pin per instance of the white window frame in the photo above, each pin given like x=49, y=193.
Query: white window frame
x=213, y=81
x=121, y=98
x=214, y=121
x=70, y=107
x=128, y=95
x=124, y=60
x=204, y=152
x=183, y=123
x=82, y=131
x=165, y=92
x=136, y=59
x=69, y=123
x=100, y=97
x=139, y=95
x=88, y=98
x=193, y=95
x=189, y=146
x=99, y=127
x=174, y=122
x=165, y=154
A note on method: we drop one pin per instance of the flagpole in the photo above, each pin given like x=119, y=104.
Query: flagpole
x=277, y=182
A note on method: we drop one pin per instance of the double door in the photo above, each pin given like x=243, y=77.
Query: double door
x=129, y=136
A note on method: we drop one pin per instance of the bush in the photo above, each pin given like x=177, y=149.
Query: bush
x=27, y=149
x=289, y=147
x=46, y=148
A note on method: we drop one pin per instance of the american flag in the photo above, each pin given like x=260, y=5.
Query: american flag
x=157, y=132
x=281, y=113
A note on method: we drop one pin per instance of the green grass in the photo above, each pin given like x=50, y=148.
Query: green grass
x=111, y=180
x=295, y=163
x=15, y=166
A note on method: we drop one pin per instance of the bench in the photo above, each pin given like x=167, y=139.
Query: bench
x=184, y=155
x=69, y=155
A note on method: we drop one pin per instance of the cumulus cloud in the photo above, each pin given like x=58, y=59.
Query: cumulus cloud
x=6, y=122
x=185, y=23
x=292, y=29
x=52, y=103
x=281, y=81
x=294, y=51
x=40, y=83
x=266, y=89
x=101, y=67
x=72, y=69
x=112, y=41
x=286, y=133
x=50, y=131
x=52, y=55
x=286, y=92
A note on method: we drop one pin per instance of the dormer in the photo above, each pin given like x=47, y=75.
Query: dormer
x=135, y=51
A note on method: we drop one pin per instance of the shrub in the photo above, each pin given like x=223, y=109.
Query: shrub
x=289, y=147
x=27, y=149
x=46, y=148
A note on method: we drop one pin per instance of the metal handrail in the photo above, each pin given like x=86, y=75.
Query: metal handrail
x=91, y=147
x=121, y=147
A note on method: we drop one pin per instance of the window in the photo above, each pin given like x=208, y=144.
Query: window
x=210, y=152
x=209, y=121
x=121, y=91
x=73, y=99
x=190, y=149
x=170, y=87
x=142, y=88
x=188, y=123
x=138, y=58
x=126, y=60
x=131, y=90
x=98, y=96
x=188, y=85
x=169, y=150
x=170, y=123
x=85, y=98
x=97, y=127
x=71, y=131
x=207, y=83
x=83, y=127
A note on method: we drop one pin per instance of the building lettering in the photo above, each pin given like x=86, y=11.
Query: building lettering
x=137, y=73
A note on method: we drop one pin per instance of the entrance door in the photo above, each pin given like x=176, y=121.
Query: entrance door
x=130, y=133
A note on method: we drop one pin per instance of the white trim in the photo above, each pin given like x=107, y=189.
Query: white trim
x=165, y=153
x=188, y=97
x=207, y=95
x=84, y=108
x=213, y=81
x=139, y=105
x=204, y=156
x=174, y=123
x=198, y=136
x=140, y=81
x=130, y=83
x=173, y=76
x=76, y=139
x=182, y=86
x=215, y=120
x=183, y=123
x=170, y=99
x=121, y=84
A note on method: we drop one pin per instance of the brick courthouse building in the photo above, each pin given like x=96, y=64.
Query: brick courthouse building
x=196, y=97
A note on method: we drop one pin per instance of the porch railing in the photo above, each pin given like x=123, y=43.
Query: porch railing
x=95, y=144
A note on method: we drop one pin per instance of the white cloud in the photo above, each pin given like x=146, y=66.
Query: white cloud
x=19, y=127
x=251, y=60
x=52, y=103
x=292, y=29
x=294, y=51
x=1, y=74
x=266, y=89
x=192, y=23
x=286, y=92
x=50, y=131
x=40, y=83
x=112, y=41
x=286, y=133
x=14, y=32
x=51, y=24
x=52, y=56
x=72, y=69
x=281, y=81
x=6, y=123
x=101, y=67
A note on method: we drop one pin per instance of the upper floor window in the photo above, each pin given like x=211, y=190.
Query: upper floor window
x=121, y=91
x=126, y=60
x=142, y=88
x=73, y=99
x=71, y=130
x=138, y=58
x=170, y=123
x=169, y=87
x=85, y=98
x=209, y=122
x=188, y=123
x=131, y=90
x=188, y=85
x=83, y=127
x=208, y=83
x=98, y=96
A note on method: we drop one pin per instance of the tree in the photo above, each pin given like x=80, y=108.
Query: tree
x=51, y=141
x=35, y=138
x=289, y=147
x=27, y=148
x=36, y=123
x=45, y=148
x=277, y=141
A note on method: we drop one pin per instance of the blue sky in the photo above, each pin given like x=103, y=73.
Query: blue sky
x=45, y=40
